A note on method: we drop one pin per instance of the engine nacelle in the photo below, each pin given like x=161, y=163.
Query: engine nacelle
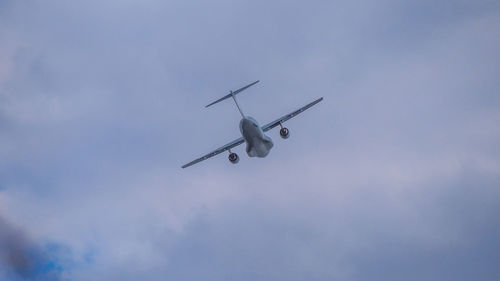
x=284, y=133
x=234, y=158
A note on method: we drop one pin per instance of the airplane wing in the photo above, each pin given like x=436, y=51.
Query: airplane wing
x=217, y=151
x=276, y=122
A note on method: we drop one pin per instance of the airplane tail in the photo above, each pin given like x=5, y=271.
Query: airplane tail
x=233, y=93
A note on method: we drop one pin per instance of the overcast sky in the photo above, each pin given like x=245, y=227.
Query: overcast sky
x=394, y=176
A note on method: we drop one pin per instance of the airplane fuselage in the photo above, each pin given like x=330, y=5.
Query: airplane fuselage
x=258, y=144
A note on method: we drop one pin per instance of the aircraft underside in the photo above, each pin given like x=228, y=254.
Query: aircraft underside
x=258, y=144
x=259, y=147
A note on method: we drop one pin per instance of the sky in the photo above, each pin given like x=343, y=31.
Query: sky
x=395, y=175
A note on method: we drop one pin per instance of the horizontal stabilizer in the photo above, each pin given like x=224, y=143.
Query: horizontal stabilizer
x=233, y=93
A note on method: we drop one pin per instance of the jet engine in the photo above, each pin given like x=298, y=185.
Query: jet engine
x=284, y=133
x=233, y=158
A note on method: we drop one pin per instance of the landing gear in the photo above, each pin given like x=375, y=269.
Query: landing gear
x=284, y=132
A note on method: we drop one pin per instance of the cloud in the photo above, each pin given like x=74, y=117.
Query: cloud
x=22, y=259
x=393, y=176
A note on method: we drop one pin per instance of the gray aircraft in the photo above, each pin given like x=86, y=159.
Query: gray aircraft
x=258, y=144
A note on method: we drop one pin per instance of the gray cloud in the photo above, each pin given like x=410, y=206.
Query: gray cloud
x=392, y=177
x=22, y=259
x=14, y=248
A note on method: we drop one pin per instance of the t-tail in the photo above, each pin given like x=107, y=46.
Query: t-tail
x=233, y=94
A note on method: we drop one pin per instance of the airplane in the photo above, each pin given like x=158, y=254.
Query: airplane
x=258, y=144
